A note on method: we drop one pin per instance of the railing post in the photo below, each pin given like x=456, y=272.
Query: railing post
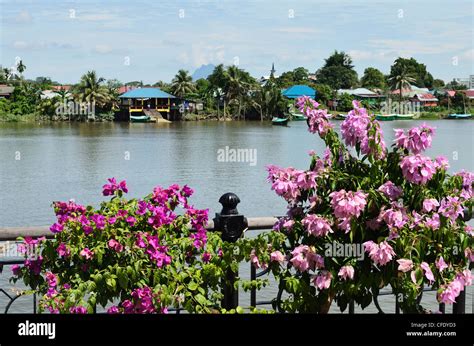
x=231, y=224
x=460, y=306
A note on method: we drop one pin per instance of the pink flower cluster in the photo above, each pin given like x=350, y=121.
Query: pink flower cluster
x=323, y=280
x=467, y=184
x=156, y=252
x=381, y=253
x=346, y=272
x=304, y=258
x=115, y=245
x=390, y=190
x=451, y=208
x=318, y=121
x=347, y=204
x=288, y=182
x=317, y=225
x=354, y=127
x=110, y=188
x=395, y=217
x=417, y=169
x=417, y=140
x=142, y=302
x=454, y=288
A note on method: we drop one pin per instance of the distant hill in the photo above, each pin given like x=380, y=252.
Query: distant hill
x=203, y=71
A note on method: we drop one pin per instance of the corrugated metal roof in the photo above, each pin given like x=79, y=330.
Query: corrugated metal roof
x=298, y=91
x=142, y=93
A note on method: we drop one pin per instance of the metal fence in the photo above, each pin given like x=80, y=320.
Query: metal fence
x=232, y=225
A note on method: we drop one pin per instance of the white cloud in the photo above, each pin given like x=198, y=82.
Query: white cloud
x=103, y=48
x=23, y=17
x=297, y=30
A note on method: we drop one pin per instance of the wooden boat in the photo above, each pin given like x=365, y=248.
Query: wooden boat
x=385, y=117
x=280, y=121
x=140, y=118
x=459, y=116
x=404, y=116
x=297, y=117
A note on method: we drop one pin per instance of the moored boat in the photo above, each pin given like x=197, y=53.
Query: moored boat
x=385, y=117
x=459, y=116
x=297, y=117
x=404, y=116
x=280, y=121
x=140, y=118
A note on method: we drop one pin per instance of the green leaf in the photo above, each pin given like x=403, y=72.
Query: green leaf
x=192, y=286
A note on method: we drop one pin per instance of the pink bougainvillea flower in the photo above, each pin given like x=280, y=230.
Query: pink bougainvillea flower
x=405, y=265
x=430, y=204
x=441, y=264
x=277, y=256
x=86, y=253
x=417, y=169
x=16, y=269
x=346, y=272
x=78, y=310
x=390, y=190
x=428, y=273
x=451, y=208
x=381, y=253
x=317, y=225
x=112, y=186
x=417, y=140
x=323, y=280
x=115, y=245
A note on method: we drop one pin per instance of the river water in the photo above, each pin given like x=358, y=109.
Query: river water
x=41, y=163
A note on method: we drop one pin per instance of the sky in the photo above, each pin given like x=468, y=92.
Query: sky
x=152, y=40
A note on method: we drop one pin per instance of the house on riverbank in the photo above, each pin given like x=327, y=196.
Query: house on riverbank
x=362, y=94
x=296, y=91
x=6, y=91
x=154, y=101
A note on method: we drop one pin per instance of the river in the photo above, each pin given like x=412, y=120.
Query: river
x=41, y=163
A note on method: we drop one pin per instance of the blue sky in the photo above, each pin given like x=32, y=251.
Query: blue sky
x=151, y=40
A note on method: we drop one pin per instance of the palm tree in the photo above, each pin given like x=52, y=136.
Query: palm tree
x=182, y=84
x=20, y=67
x=401, y=80
x=236, y=86
x=92, y=90
x=6, y=73
x=218, y=82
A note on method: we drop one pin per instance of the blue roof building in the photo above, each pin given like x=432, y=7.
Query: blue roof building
x=144, y=93
x=149, y=101
x=299, y=90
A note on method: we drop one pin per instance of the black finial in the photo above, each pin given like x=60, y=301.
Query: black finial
x=229, y=203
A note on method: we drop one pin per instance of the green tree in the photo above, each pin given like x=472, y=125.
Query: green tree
x=401, y=80
x=324, y=93
x=20, y=67
x=217, y=80
x=182, y=84
x=338, y=72
x=91, y=89
x=422, y=78
x=373, y=79
x=438, y=83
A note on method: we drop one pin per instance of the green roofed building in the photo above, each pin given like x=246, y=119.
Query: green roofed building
x=299, y=90
x=149, y=101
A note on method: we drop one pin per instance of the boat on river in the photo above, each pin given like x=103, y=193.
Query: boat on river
x=298, y=117
x=409, y=116
x=280, y=121
x=385, y=117
x=459, y=116
x=140, y=119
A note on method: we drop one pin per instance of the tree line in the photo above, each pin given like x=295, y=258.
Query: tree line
x=228, y=92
